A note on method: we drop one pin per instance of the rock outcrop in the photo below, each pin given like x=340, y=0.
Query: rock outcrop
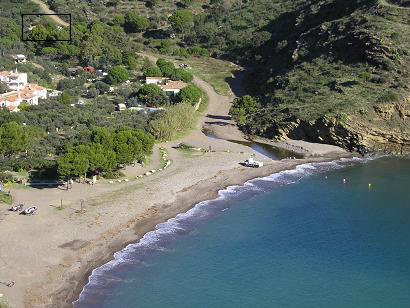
x=387, y=130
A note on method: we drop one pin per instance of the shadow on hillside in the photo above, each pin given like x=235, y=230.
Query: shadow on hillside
x=221, y=123
x=218, y=117
x=237, y=83
x=156, y=34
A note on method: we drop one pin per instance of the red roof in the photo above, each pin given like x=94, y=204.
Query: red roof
x=89, y=68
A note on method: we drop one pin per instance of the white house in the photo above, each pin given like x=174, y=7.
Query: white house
x=155, y=80
x=23, y=91
x=14, y=80
x=171, y=87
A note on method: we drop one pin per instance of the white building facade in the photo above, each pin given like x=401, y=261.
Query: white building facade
x=22, y=91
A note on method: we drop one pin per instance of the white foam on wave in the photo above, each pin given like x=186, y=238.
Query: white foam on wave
x=151, y=240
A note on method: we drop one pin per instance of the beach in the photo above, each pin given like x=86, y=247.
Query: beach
x=50, y=255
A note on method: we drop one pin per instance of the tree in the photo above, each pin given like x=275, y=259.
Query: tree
x=92, y=92
x=4, y=88
x=242, y=108
x=181, y=74
x=153, y=71
x=13, y=139
x=127, y=146
x=132, y=62
x=190, y=93
x=65, y=98
x=152, y=95
x=72, y=164
x=166, y=47
x=102, y=87
x=135, y=22
x=117, y=75
x=167, y=67
x=181, y=20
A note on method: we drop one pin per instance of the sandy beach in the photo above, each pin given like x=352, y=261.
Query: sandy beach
x=50, y=255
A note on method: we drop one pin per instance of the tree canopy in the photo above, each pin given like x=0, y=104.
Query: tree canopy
x=190, y=93
x=181, y=20
x=135, y=22
x=117, y=74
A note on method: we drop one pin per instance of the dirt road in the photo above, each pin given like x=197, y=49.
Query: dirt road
x=46, y=10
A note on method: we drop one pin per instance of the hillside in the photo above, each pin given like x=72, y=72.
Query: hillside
x=330, y=71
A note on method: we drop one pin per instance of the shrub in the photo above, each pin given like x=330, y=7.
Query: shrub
x=175, y=120
x=388, y=97
x=136, y=23
x=153, y=71
x=190, y=93
x=181, y=74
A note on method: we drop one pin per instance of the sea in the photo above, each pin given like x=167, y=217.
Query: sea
x=331, y=234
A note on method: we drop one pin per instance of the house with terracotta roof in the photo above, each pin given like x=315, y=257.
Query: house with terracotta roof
x=173, y=87
x=23, y=91
x=170, y=87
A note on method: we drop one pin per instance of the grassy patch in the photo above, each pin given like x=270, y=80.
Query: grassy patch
x=191, y=152
x=3, y=303
x=163, y=157
x=203, y=107
x=5, y=198
x=215, y=72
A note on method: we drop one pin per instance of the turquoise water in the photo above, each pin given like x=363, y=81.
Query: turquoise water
x=300, y=238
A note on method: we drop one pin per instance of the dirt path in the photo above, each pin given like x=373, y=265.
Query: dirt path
x=45, y=9
x=386, y=3
x=217, y=120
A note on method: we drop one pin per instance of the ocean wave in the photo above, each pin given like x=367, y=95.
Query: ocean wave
x=184, y=223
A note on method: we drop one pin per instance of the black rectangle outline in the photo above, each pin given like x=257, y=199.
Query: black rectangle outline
x=23, y=40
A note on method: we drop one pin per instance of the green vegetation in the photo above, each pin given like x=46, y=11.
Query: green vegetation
x=189, y=150
x=5, y=198
x=106, y=152
x=3, y=303
x=312, y=63
x=136, y=23
x=152, y=95
x=191, y=94
x=117, y=74
x=181, y=20
x=175, y=120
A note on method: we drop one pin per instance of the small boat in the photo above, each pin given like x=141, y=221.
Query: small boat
x=29, y=211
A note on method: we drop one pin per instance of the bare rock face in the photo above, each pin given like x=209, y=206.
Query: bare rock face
x=387, y=130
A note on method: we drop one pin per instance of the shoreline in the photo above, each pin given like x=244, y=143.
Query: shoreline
x=185, y=200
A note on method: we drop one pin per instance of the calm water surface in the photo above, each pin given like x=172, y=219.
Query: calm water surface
x=300, y=238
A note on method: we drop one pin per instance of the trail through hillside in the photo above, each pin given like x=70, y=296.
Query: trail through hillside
x=45, y=9
x=386, y=3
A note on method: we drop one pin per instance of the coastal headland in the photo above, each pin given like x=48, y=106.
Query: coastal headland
x=50, y=255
